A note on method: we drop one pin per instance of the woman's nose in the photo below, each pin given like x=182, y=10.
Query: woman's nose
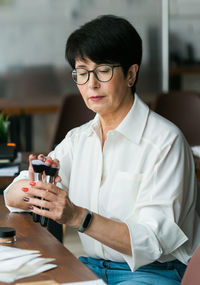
x=93, y=82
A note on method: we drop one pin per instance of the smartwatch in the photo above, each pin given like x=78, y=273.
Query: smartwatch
x=86, y=221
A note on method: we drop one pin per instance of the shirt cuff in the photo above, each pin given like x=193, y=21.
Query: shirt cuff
x=23, y=175
x=148, y=242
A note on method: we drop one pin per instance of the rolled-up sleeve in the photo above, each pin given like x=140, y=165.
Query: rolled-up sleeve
x=155, y=223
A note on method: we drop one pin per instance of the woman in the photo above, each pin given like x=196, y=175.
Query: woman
x=126, y=179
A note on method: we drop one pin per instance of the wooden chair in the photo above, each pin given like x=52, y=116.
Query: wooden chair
x=183, y=109
x=73, y=113
x=192, y=273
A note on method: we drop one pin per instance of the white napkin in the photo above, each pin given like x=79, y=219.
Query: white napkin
x=18, y=263
x=7, y=252
x=15, y=263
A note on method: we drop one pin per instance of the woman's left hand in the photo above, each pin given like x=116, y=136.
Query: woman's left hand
x=54, y=203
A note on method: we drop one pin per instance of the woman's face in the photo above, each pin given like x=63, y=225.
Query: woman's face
x=107, y=98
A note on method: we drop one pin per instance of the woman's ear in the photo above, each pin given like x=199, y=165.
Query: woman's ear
x=132, y=74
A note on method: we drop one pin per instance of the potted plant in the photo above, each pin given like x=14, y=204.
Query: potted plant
x=4, y=128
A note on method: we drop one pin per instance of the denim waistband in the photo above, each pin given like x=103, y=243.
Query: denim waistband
x=123, y=265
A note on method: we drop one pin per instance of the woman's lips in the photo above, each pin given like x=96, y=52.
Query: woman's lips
x=96, y=98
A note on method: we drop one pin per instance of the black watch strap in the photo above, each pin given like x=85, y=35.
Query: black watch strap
x=86, y=221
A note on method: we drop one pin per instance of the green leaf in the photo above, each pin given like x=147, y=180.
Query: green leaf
x=4, y=125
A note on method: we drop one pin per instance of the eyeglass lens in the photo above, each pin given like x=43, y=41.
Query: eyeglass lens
x=102, y=73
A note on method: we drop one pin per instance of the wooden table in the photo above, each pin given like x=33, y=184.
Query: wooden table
x=32, y=236
x=5, y=181
x=184, y=69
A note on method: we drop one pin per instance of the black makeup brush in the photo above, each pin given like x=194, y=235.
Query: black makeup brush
x=38, y=168
x=50, y=172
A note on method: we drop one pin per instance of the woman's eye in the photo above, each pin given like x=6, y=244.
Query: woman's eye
x=104, y=70
x=84, y=73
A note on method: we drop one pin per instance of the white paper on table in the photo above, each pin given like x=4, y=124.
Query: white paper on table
x=91, y=282
x=7, y=252
x=18, y=263
x=34, y=267
x=9, y=170
x=15, y=263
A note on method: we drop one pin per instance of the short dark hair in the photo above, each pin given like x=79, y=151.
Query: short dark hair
x=106, y=39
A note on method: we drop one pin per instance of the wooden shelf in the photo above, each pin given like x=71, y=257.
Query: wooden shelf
x=184, y=69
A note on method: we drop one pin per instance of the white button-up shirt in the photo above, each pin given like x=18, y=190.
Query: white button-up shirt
x=144, y=177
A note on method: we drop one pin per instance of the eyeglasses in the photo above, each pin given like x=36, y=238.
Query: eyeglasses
x=103, y=73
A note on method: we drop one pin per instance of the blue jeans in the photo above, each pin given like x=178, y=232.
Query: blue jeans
x=156, y=273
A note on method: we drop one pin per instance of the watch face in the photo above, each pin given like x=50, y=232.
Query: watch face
x=87, y=220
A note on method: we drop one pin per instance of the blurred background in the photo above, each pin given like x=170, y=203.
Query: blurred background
x=34, y=74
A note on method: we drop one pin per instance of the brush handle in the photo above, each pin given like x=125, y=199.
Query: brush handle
x=49, y=179
x=44, y=221
x=36, y=218
x=37, y=177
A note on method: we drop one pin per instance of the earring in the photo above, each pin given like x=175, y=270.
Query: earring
x=130, y=84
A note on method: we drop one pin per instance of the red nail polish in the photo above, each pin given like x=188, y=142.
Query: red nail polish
x=25, y=189
x=32, y=183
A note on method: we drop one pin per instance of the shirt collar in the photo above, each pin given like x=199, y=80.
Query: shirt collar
x=133, y=124
x=95, y=126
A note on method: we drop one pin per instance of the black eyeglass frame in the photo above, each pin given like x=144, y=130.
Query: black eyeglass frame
x=93, y=71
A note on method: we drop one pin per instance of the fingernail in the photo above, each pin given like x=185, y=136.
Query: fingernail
x=30, y=207
x=32, y=155
x=32, y=183
x=26, y=199
x=41, y=157
x=25, y=189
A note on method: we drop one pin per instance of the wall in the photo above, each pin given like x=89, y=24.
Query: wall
x=35, y=32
